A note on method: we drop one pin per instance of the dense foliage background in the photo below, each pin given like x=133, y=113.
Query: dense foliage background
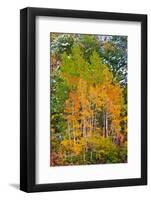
x=88, y=99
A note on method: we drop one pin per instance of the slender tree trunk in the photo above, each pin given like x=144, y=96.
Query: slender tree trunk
x=74, y=139
x=84, y=132
x=85, y=138
x=84, y=156
x=103, y=124
x=94, y=122
x=91, y=155
x=68, y=129
x=91, y=125
x=73, y=123
x=106, y=124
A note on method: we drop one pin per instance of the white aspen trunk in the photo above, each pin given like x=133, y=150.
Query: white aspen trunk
x=81, y=128
x=84, y=131
x=84, y=135
x=103, y=124
x=90, y=122
x=68, y=130
x=94, y=122
x=91, y=125
x=106, y=123
x=73, y=124
x=74, y=139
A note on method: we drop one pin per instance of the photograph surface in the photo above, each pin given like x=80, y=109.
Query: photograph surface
x=88, y=99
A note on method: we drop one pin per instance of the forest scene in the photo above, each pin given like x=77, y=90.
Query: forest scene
x=88, y=99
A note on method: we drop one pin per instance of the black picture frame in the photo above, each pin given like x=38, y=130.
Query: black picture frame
x=28, y=99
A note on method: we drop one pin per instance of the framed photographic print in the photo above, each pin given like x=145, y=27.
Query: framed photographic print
x=83, y=95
